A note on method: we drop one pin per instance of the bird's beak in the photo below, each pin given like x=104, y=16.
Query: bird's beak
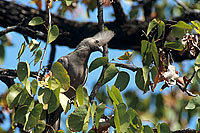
x=101, y=49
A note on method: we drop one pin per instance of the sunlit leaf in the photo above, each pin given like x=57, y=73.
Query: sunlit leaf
x=13, y=94
x=93, y=109
x=110, y=73
x=61, y=74
x=116, y=118
x=68, y=2
x=99, y=113
x=86, y=120
x=179, y=29
x=82, y=96
x=65, y=102
x=33, y=45
x=161, y=28
x=97, y=63
x=36, y=21
x=122, y=80
x=112, y=96
x=37, y=56
x=52, y=34
x=174, y=45
x=117, y=94
x=76, y=119
x=152, y=24
x=23, y=46
x=53, y=83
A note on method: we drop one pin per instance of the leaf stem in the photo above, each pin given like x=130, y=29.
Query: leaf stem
x=45, y=48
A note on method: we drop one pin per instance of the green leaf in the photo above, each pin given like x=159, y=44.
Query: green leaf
x=193, y=103
x=20, y=114
x=65, y=102
x=139, y=79
x=44, y=95
x=86, y=120
x=2, y=54
x=197, y=63
x=146, y=52
x=61, y=74
x=164, y=128
x=23, y=72
x=142, y=78
x=122, y=80
x=39, y=127
x=196, y=23
x=34, y=85
x=53, y=83
x=124, y=117
x=161, y=28
x=99, y=113
x=174, y=45
x=82, y=96
x=93, y=109
x=179, y=29
x=97, y=63
x=52, y=34
x=33, y=117
x=33, y=45
x=38, y=55
x=23, y=46
x=68, y=2
x=13, y=94
x=76, y=119
x=112, y=96
x=36, y=21
x=155, y=53
x=152, y=24
x=147, y=129
x=154, y=72
x=54, y=100
x=198, y=126
x=23, y=96
x=117, y=94
x=110, y=73
x=116, y=118
x=134, y=119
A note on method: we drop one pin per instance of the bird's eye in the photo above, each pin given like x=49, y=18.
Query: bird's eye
x=97, y=41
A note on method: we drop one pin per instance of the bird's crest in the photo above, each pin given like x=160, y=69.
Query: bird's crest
x=104, y=36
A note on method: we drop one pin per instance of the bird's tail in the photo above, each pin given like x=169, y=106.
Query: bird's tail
x=104, y=36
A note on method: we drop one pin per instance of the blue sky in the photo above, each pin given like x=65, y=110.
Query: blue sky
x=17, y=39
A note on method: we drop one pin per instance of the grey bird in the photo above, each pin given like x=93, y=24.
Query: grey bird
x=76, y=62
x=76, y=65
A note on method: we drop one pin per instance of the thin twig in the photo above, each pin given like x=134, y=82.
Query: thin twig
x=184, y=89
x=45, y=48
x=105, y=52
x=127, y=66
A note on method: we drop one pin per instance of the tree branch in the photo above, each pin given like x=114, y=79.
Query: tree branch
x=120, y=16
